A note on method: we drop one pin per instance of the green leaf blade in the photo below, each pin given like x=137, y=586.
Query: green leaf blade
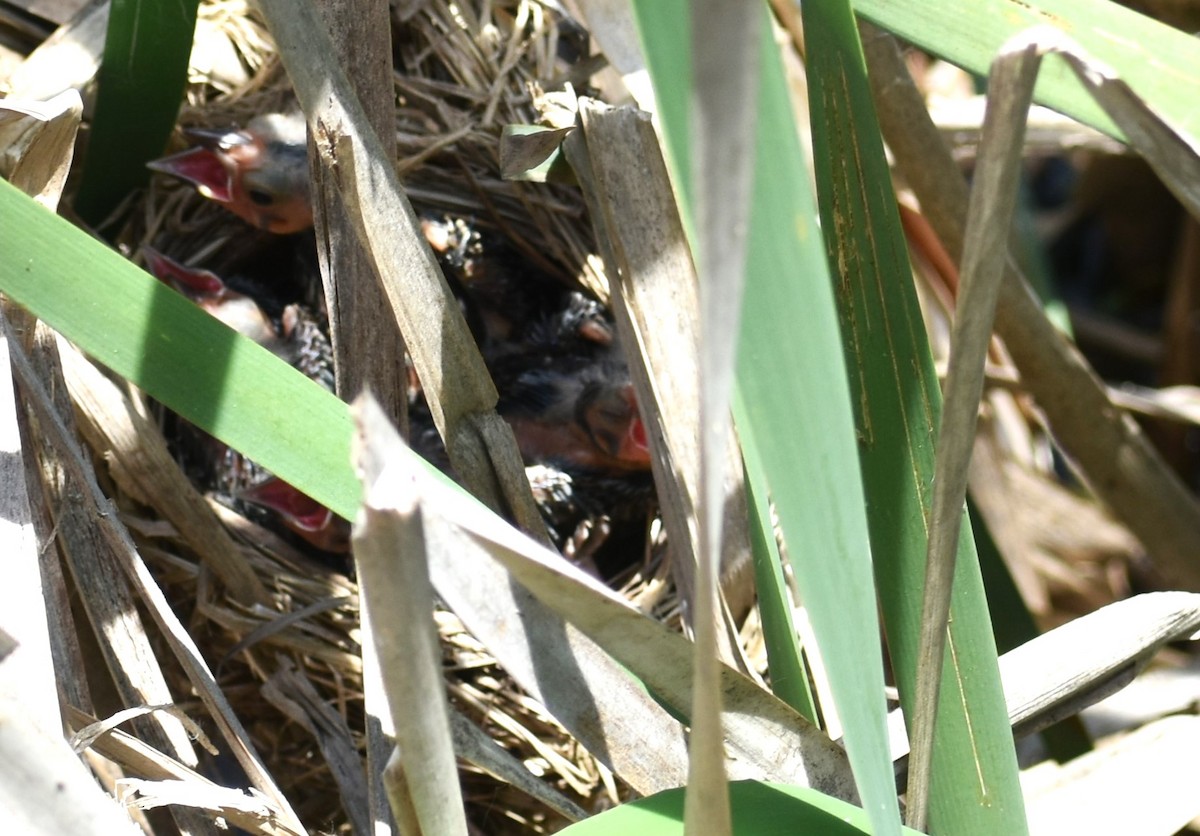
x=759, y=809
x=146, y=332
x=975, y=786
x=1160, y=63
x=140, y=85
x=795, y=398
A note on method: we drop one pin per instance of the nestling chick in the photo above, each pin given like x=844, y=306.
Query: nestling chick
x=296, y=339
x=259, y=173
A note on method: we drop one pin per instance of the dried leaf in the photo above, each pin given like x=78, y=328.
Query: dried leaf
x=531, y=152
x=37, y=144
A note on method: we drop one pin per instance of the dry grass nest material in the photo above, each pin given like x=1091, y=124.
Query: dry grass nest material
x=459, y=79
x=462, y=73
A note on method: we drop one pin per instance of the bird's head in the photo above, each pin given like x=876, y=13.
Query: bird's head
x=260, y=173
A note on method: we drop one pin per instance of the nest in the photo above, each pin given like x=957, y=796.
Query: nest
x=459, y=79
x=461, y=75
x=292, y=668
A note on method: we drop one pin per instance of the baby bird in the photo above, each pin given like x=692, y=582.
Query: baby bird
x=297, y=339
x=259, y=173
x=576, y=413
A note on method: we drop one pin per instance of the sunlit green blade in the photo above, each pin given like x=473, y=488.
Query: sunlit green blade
x=792, y=383
x=975, y=787
x=759, y=809
x=139, y=88
x=1159, y=62
x=789, y=674
x=148, y=333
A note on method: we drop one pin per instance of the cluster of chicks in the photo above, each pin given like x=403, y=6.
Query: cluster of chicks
x=563, y=383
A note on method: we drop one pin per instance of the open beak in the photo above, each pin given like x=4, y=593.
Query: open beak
x=189, y=280
x=301, y=512
x=200, y=166
x=217, y=139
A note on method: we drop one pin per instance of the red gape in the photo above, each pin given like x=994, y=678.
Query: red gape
x=301, y=514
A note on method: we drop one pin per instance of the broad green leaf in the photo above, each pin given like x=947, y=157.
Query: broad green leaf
x=975, y=787
x=789, y=674
x=993, y=200
x=759, y=809
x=792, y=384
x=1160, y=63
x=146, y=332
x=139, y=87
